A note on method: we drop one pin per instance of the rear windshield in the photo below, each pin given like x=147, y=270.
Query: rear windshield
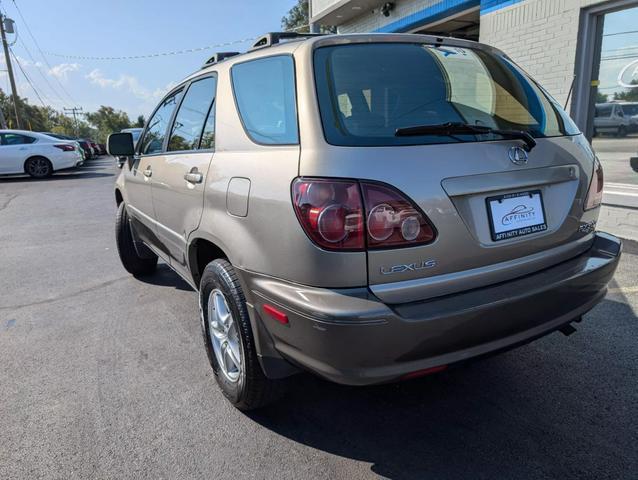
x=368, y=91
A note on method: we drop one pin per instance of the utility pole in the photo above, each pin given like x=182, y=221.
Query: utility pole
x=12, y=80
x=3, y=122
x=75, y=111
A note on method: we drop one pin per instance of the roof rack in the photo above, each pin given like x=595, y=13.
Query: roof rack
x=218, y=57
x=274, y=38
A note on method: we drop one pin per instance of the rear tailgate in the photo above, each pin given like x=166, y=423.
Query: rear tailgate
x=451, y=184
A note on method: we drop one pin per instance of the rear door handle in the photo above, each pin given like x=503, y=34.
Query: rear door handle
x=148, y=172
x=193, y=177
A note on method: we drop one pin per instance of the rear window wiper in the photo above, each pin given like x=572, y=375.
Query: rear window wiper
x=458, y=128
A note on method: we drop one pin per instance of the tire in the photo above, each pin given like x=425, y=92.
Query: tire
x=131, y=260
x=246, y=387
x=622, y=131
x=38, y=167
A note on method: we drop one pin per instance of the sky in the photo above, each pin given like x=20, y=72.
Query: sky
x=115, y=28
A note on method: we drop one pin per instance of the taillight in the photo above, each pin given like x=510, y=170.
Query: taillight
x=65, y=148
x=595, y=193
x=330, y=212
x=347, y=215
x=392, y=219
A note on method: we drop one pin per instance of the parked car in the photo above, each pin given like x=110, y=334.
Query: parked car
x=95, y=147
x=34, y=153
x=630, y=110
x=610, y=118
x=370, y=208
x=86, y=147
x=71, y=139
x=136, y=132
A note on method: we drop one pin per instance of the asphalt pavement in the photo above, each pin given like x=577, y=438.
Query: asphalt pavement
x=105, y=376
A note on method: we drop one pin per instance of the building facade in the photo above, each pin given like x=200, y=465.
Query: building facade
x=557, y=41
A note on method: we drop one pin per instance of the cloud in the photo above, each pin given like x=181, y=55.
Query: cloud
x=124, y=82
x=61, y=71
x=25, y=62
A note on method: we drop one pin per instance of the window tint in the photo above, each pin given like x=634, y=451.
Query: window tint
x=266, y=98
x=368, y=91
x=16, y=139
x=158, y=124
x=192, y=113
x=630, y=109
x=603, y=111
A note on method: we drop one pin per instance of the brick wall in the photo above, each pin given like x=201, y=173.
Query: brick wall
x=541, y=36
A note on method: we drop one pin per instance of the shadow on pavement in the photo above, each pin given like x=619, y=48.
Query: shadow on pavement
x=77, y=175
x=165, y=277
x=522, y=414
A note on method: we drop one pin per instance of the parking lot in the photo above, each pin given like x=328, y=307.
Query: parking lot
x=105, y=376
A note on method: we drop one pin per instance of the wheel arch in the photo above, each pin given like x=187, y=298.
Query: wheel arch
x=202, y=251
x=119, y=198
x=30, y=157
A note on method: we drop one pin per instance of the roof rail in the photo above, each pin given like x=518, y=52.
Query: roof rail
x=274, y=38
x=218, y=57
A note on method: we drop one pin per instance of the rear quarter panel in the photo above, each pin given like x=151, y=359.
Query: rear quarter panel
x=269, y=239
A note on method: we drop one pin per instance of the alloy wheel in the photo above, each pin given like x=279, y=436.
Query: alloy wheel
x=224, y=336
x=38, y=167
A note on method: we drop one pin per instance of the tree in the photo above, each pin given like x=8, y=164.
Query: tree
x=601, y=97
x=141, y=121
x=97, y=125
x=630, y=95
x=108, y=120
x=297, y=18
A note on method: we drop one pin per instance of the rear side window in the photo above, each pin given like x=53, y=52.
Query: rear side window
x=153, y=140
x=603, y=111
x=266, y=99
x=15, y=139
x=191, y=116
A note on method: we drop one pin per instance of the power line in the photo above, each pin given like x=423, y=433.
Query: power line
x=28, y=79
x=159, y=54
x=46, y=62
x=44, y=77
x=151, y=55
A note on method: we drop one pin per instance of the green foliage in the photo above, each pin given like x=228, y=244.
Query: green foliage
x=108, y=120
x=297, y=18
x=629, y=95
x=601, y=97
x=96, y=125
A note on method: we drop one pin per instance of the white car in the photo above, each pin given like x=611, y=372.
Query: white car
x=34, y=153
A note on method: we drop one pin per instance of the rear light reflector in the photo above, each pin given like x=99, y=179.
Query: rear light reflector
x=595, y=193
x=348, y=215
x=275, y=314
x=65, y=148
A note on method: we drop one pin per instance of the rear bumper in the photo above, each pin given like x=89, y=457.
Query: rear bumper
x=349, y=336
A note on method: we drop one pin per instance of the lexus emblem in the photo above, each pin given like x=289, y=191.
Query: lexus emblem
x=518, y=156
